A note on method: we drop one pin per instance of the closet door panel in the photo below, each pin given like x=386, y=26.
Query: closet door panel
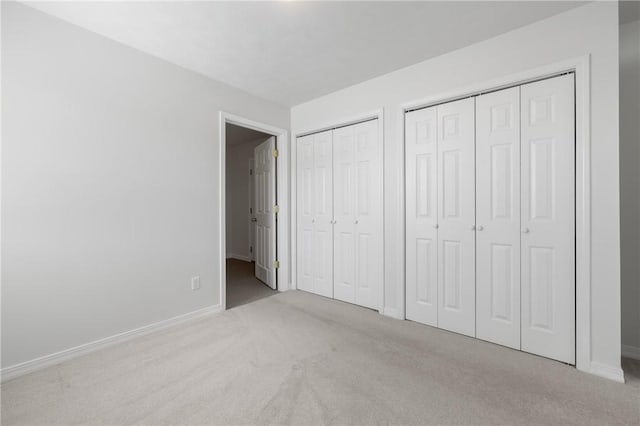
x=421, y=195
x=344, y=166
x=323, y=202
x=498, y=217
x=456, y=216
x=305, y=213
x=548, y=218
x=367, y=219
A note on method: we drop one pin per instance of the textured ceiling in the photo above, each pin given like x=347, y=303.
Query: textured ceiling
x=292, y=52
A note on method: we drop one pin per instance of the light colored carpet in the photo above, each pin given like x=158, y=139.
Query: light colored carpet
x=296, y=358
x=242, y=285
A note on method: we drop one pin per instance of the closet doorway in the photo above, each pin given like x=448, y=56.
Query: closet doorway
x=490, y=216
x=339, y=199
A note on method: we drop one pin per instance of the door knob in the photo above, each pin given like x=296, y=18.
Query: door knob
x=525, y=231
x=355, y=221
x=253, y=219
x=435, y=226
x=480, y=228
x=472, y=228
x=313, y=220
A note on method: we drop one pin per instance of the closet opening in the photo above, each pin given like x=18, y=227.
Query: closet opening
x=339, y=212
x=251, y=210
x=491, y=216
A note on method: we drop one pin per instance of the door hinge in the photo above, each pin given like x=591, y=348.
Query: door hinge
x=276, y=209
x=276, y=264
x=276, y=153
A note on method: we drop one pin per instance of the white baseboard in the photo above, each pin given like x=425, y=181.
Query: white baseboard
x=17, y=370
x=392, y=312
x=632, y=352
x=608, y=372
x=239, y=257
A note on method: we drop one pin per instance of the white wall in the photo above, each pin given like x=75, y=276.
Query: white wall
x=109, y=185
x=590, y=29
x=630, y=184
x=238, y=203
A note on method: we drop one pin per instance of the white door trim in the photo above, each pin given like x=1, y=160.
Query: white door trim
x=581, y=66
x=358, y=118
x=283, y=184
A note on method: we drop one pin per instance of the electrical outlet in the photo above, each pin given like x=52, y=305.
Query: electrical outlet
x=195, y=283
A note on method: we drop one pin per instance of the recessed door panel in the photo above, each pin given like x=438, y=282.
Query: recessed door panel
x=548, y=218
x=451, y=274
x=426, y=272
x=456, y=216
x=421, y=160
x=498, y=217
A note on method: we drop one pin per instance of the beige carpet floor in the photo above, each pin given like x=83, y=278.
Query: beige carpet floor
x=296, y=358
x=242, y=285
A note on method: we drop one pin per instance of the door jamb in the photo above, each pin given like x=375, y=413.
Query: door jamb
x=582, y=67
x=282, y=191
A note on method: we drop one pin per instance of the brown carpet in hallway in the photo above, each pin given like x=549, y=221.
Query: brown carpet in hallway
x=242, y=285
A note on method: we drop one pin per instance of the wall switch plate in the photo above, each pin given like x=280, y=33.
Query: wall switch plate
x=195, y=283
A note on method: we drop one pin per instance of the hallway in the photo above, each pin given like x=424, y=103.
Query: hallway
x=242, y=285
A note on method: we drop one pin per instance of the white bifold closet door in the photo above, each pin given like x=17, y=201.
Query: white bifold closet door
x=490, y=217
x=315, y=213
x=456, y=217
x=440, y=216
x=498, y=217
x=421, y=168
x=357, y=183
x=548, y=218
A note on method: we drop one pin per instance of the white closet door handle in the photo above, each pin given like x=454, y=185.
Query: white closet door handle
x=313, y=220
x=525, y=231
x=480, y=227
x=472, y=228
x=435, y=226
x=355, y=222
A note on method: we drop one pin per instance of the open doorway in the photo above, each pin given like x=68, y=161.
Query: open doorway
x=251, y=210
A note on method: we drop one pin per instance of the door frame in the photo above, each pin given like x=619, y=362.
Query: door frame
x=377, y=114
x=582, y=69
x=282, y=194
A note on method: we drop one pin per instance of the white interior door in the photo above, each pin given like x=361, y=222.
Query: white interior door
x=305, y=184
x=358, y=214
x=498, y=217
x=265, y=189
x=548, y=218
x=456, y=216
x=323, y=230
x=421, y=162
x=252, y=211
x=315, y=213
x=344, y=239
x=368, y=215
